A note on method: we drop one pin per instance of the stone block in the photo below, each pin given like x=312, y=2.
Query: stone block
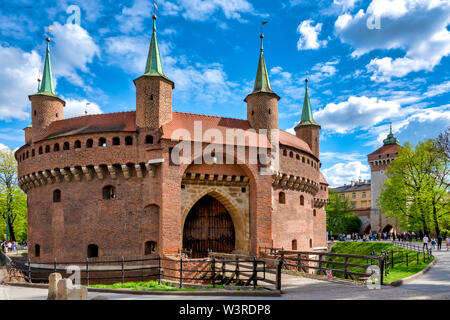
x=53, y=280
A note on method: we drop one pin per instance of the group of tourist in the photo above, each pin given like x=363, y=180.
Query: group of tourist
x=10, y=246
x=437, y=241
x=405, y=236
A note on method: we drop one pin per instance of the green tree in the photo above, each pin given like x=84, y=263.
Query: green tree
x=340, y=216
x=13, y=202
x=416, y=189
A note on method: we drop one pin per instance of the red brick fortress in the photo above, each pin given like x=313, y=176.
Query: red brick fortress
x=108, y=185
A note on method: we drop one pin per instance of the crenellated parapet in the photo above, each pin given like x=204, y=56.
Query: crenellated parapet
x=87, y=173
x=293, y=182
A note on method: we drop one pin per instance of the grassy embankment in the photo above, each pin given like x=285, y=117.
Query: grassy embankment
x=399, y=271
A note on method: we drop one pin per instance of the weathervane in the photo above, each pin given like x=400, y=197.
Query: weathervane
x=85, y=110
x=262, y=25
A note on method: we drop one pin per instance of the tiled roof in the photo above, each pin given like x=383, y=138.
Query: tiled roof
x=356, y=187
x=388, y=148
x=107, y=122
x=126, y=121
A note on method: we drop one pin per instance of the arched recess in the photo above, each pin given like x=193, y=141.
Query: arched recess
x=242, y=243
x=388, y=229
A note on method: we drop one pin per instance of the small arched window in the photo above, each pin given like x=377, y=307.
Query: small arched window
x=128, y=141
x=92, y=251
x=281, y=197
x=47, y=149
x=40, y=150
x=89, y=143
x=109, y=192
x=294, y=244
x=302, y=200
x=32, y=152
x=314, y=212
x=149, y=139
x=150, y=247
x=116, y=141
x=102, y=142
x=57, y=195
x=66, y=146
x=56, y=147
x=77, y=144
x=37, y=250
x=28, y=154
x=291, y=154
x=310, y=243
x=303, y=159
x=297, y=156
x=284, y=152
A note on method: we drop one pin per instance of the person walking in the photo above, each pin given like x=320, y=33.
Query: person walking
x=439, y=242
x=425, y=241
x=447, y=242
x=433, y=243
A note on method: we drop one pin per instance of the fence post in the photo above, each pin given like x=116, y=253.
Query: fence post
x=406, y=258
x=213, y=272
x=123, y=270
x=29, y=271
x=255, y=273
x=237, y=268
x=87, y=271
x=159, y=269
x=320, y=264
x=181, y=271
x=298, y=262
x=278, y=280
x=346, y=268
x=381, y=265
x=54, y=265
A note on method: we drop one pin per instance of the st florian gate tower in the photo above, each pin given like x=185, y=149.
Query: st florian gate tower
x=110, y=185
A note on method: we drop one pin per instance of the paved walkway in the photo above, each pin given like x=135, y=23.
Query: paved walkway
x=435, y=284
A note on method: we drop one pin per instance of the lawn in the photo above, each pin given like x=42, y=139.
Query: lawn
x=400, y=269
x=144, y=286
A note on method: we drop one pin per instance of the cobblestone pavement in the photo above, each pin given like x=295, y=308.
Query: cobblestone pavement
x=435, y=284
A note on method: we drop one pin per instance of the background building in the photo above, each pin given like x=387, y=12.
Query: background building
x=379, y=162
x=358, y=192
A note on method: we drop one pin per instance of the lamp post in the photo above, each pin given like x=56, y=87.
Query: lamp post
x=7, y=218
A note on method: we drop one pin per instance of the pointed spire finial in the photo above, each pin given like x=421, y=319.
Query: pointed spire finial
x=391, y=139
x=307, y=116
x=154, y=65
x=390, y=125
x=262, y=83
x=47, y=84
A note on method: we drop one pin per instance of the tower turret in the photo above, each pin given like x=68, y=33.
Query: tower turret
x=262, y=103
x=46, y=106
x=153, y=90
x=308, y=130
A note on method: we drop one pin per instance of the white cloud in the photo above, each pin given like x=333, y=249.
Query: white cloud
x=3, y=147
x=341, y=173
x=345, y=4
x=309, y=35
x=76, y=108
x=73, y=49
x=418, y=27
x=356, y=112
x=19, y=71
x=322, y=71
x=438, y=89
x=201, y=10
x=132, y=18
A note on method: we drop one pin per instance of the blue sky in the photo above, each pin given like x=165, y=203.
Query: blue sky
x=361, y=77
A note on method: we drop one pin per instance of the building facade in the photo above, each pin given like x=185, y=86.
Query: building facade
x=111, y=185
x=379, y=162
x=359, y=195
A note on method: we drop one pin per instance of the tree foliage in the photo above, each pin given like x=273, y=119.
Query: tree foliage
x=13, y=201
x=417, y=187
x=340, y=216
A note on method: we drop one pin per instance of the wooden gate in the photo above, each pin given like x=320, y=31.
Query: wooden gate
x=208, y=226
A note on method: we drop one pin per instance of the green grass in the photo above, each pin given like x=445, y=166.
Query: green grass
x=144, y=286
x=399, y=271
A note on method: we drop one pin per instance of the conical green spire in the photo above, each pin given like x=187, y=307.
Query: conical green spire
x=262, y=83
x=391, y=139
x=307, y=116
x=47, y=85
x=154, y=66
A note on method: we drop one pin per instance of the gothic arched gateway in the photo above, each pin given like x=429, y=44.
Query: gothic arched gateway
x=208, y=226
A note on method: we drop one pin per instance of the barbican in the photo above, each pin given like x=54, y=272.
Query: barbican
x=105, y=185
